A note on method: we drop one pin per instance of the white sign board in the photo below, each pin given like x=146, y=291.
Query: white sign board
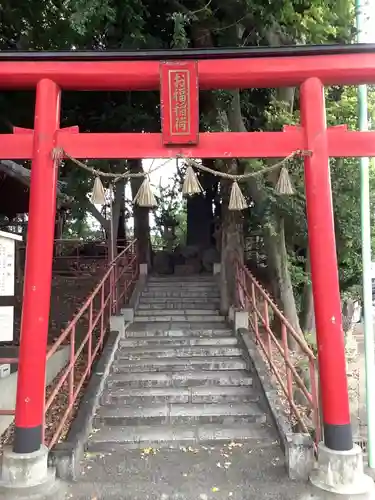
x=7, y=264
x=6, y=323
x=7, y=247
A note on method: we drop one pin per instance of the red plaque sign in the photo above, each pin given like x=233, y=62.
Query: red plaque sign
x=179, y=102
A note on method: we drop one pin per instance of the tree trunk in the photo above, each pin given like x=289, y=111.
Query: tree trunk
x=121, y=230
x=119, y=196
x=89, y=207
x=231, y=247
x=307, y=316
x=278, y=262
x=141, y=218
x=199, y=221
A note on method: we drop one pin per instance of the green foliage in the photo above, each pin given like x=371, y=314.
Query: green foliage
x=170, y=213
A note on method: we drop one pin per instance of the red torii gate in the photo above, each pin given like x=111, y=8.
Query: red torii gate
x=179, y=79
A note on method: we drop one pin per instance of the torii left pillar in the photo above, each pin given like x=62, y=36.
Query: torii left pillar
x=26, y=466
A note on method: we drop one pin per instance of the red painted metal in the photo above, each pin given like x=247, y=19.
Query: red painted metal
x=86, y=334
x=211, y=145
x=16, y=147
x=281, y=360
x=344, y=69
x=324, y=269
x=312, y=72
x=179, y=100
x=39, y=252
x=70, y=260
x=341, y=143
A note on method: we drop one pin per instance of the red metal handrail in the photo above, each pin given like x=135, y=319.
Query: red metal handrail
x=70, y=261
x=85, y=335
x=280, y=357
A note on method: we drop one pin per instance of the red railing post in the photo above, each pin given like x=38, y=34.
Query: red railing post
x=267, y=327
x=38, y=272
x=72, y=364
x=324, y=270
x=255, y=314
x=289, y=377
x=89, y=342
x=102, y=312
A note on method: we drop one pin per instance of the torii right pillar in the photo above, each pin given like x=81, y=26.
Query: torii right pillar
x=340, y=463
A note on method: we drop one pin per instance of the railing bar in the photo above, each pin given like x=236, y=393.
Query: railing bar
x=281, y=382
x=60, y=427
x=58, y=386
x=281, y=351
x=114, y=274
x=271, y=302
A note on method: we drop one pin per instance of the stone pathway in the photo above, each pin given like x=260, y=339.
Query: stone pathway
x=179, y=375
x=214, y=472
x=179, y=417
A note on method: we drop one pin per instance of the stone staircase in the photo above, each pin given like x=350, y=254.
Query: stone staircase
x=179, y=376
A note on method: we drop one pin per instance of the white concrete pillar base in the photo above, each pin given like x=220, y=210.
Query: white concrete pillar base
x=26, y=475
x=241, y=320
x=342, y=473
x=117, y=324
x=216, y=268
x=231, y=314
x=143, y=269
x=128, y=314
x=300, y=456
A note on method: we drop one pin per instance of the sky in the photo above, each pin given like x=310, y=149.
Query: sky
x=367, y=35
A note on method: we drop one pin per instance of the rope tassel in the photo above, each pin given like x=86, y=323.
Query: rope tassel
x=191, y=183
x=98, y=194
x=237, y=200
x=284, y=184
x=145, y=197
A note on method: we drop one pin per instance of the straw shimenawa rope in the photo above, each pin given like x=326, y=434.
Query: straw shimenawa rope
x=191, y=185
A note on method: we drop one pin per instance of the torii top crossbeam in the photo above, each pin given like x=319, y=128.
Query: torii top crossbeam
x=207, y=69
x=217, y=68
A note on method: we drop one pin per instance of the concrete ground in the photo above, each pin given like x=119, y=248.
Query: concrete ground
x=214, y=472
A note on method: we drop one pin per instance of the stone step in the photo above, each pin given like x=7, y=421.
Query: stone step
x=183, y=379
x=180, y=414
x=182, y=283
x=183, y=293
x=179, y=312
x=179, y=288
x=179, y=364
x=139, y=353
x=174, y=436
x=175, y=306
x=198, y=394
x=175, y=300
x=188, y=318
x=172, y=279
x=178, y=329
x=177, y=341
